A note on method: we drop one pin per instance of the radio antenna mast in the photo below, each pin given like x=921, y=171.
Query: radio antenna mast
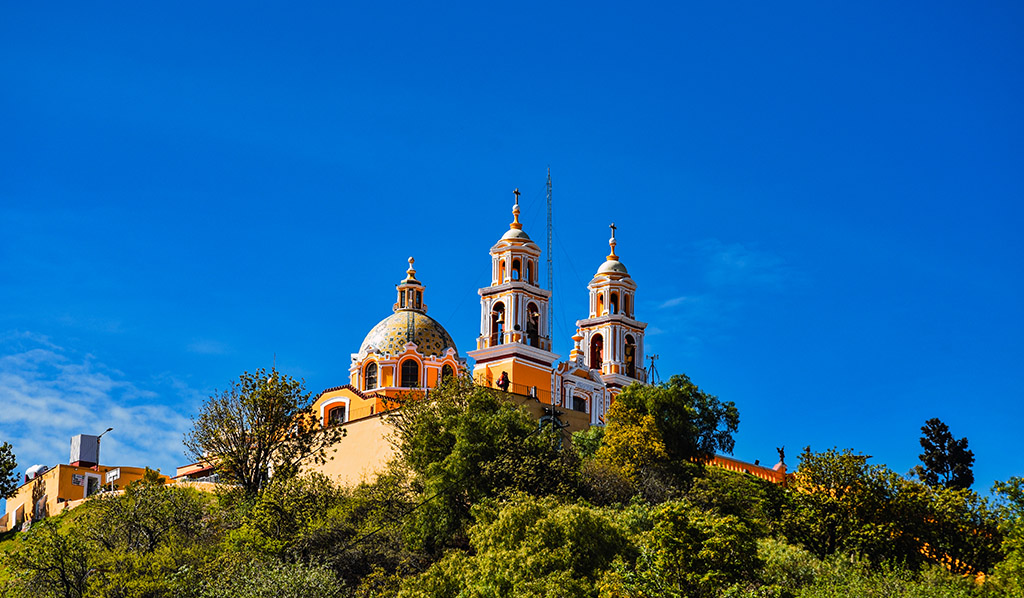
x=551, y=275
x=654, y=378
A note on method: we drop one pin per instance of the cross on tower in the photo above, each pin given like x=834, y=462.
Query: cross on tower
x=613, y=227
x=516, y=193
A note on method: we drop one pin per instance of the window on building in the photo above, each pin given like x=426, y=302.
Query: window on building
x=529, y=272
x=370, y=377
x=410, y=373
x=447, y=372
x=596, y=351
x=336, y=415
x=419, y=299
x=579, y=403
x=600, y=304
x=614, y=303
x=625, y=305
x=516, y=269
x=501, y=272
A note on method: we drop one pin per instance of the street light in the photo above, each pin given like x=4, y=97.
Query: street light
x=98, y=447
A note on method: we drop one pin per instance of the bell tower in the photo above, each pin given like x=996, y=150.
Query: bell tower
x=613, y=340
x=515, y=334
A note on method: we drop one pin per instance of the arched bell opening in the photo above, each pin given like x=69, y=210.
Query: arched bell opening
x=533, y=325
x=596, y=351
x=497, y=324
x=629, y=356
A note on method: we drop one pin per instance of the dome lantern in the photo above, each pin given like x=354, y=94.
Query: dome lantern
x=410, y=292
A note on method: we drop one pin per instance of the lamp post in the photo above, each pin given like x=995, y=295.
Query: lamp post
x=98, y=447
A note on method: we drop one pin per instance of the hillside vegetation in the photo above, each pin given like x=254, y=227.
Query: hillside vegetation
x=482, y=502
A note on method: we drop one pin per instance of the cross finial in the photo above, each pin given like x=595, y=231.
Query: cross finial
x=611, y=243
x=515, y=212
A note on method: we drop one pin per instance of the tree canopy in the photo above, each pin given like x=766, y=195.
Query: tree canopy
x=670, y=424
x=946, y=461
x=262, y=423
x=8, y=475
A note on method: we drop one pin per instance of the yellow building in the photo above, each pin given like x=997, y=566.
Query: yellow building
x=63, y=487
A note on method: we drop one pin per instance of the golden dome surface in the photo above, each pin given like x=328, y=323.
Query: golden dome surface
x=407, y=326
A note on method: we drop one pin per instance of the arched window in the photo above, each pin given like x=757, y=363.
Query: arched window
x=370, y=377
x=579, y=403
x=625, y=305
x=336, y=415
x=498, y=324
x=516, y=269
x=529, y=271
x=410, y=373
x=447, y=372
x=533, y=325
x=596, y=350
x=614, y=303
x=630, y=356
x=419, y=299
x=501, y=272
x=600, y=304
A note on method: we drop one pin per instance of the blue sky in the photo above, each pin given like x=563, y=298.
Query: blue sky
x=821, y=205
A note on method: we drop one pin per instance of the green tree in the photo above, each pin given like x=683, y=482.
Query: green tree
x=263, y=422
x=52, y=562
x=673, y=424
x=8, y=475
x=843, y=504
x=946, y=461
x=687, y=552
x=464, y=443
x=244, y=577
x=527, y=547
x=1009, y=573
x=840, y=501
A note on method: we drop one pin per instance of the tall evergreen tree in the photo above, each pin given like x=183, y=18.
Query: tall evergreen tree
x=8, y=477
x=946, y=461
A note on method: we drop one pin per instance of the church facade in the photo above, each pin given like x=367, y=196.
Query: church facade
x=409, y=352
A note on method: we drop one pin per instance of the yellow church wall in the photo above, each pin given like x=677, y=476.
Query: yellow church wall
x=360, y=455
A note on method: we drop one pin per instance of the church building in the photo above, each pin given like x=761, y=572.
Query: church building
x=409, y=352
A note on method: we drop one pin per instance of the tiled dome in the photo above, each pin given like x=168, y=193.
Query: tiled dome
x=406, y=326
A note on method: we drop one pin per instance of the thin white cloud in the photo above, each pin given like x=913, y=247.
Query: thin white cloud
x=208, y=347
x=673, y=302
x=735, y=264
x=49, y=394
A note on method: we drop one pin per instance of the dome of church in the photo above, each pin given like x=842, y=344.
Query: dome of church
x=406, y=326
x=612, y=266
x=514, y=233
